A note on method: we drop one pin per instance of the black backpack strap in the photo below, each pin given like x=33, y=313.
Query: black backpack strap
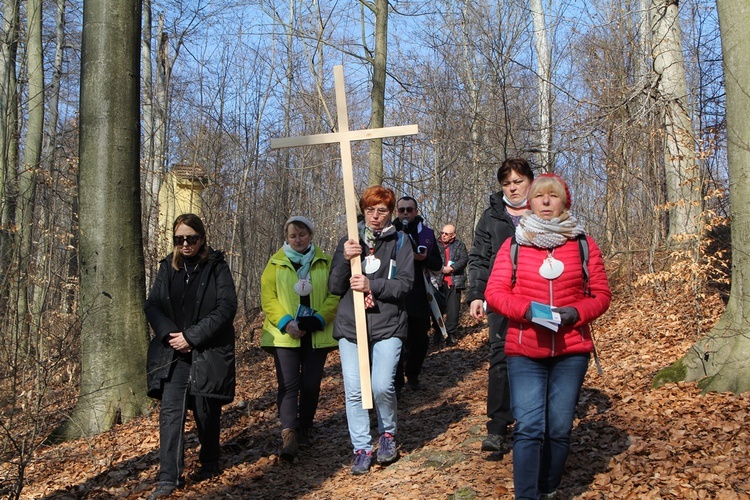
x=583, y=248
x=513, y=260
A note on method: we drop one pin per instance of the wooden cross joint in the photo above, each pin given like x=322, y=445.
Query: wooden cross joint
x=344, y=137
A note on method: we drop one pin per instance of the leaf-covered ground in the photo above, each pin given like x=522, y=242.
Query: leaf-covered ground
x=629, y=441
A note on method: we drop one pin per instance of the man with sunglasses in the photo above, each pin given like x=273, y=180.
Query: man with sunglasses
x=452, y=279
x=426, y=258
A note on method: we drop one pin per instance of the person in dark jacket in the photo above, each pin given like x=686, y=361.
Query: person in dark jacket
x=427, y=258
x=191, y=309
x=497, y=224
x=452, y=278
x=388, y=274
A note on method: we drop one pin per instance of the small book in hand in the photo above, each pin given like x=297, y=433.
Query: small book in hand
x=303, y=311
x=543, y=315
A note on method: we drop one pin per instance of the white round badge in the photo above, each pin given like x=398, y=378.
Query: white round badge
x=551, y=268
x=372, y=264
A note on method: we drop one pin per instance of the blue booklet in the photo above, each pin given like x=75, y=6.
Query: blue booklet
x=303, y=311
x=543, y=315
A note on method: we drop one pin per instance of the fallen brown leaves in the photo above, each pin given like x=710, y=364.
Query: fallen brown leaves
x=629, y=442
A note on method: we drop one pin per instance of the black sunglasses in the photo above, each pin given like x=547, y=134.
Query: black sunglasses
x=191, y=239
x=405, y=209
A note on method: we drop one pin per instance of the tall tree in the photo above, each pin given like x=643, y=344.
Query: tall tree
x=44, y=249
x=681, y=169
x=721, y=360
x=31, y=157
x=113, y=327
x=544, y=83
x=8, y=125
x=151, y=172
x=378, y=58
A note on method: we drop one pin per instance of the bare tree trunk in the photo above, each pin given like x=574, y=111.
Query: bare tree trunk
x=281, y=209
x=378, y=60
x=681, y=169
x=643, y=61
x=113, y=326
x=151, y=171
x=544, y=82
x=8, y=131
x=46, y=239
x=31, y=159
x=721, y=360
x=479, y=182
x=160, y=110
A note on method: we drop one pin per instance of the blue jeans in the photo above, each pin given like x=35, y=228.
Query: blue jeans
x=384, y=355
x=543, y=394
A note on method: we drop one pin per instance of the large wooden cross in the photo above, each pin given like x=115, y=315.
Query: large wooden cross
x=344, y=137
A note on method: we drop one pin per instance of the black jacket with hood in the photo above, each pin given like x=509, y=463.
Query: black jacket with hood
x=211, y=335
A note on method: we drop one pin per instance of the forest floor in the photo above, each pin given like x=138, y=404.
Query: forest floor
x=629, y=441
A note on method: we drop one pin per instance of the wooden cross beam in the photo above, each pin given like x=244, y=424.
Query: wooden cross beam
x=344, y=137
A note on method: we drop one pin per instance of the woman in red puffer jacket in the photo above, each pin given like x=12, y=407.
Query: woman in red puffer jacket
x=546, y=368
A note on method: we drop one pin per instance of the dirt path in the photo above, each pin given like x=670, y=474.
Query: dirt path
x=629, y=442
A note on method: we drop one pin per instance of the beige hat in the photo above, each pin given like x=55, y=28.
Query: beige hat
x=302, y=220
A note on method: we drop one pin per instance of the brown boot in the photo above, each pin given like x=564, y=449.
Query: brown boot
x=289, y=447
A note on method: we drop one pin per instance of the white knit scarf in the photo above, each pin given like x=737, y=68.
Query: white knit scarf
x=535, y=231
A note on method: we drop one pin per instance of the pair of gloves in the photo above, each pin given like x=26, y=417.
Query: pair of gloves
x=302, y=326
x=568, y=315
x=310, y=324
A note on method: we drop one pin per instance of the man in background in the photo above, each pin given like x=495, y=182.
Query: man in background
x=426, y=258
x=455, y=258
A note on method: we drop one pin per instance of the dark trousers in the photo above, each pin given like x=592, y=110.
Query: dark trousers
x=498, y=388
x=299, y=372
x=452, y=308
x=414, y=351
x=176, y=400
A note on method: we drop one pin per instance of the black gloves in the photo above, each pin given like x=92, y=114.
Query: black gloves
x=310, y=324
x=528, y=315
x=568, y=315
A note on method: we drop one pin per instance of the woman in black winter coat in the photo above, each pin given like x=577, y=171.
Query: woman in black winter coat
x=497, y=224
x=191, y=310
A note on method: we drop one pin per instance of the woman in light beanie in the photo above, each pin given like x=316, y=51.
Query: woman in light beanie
x=298, y=328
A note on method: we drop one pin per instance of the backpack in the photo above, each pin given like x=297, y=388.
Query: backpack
x=583, y=248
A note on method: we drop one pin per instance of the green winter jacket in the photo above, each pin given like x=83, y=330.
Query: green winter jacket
x=280, y=302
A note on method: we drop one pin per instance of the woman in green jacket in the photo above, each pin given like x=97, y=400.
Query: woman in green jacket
x=298, y=328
